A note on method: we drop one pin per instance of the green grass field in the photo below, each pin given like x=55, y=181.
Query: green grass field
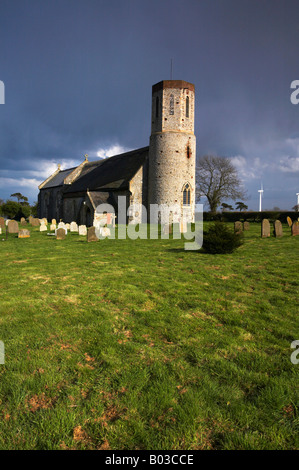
x=124, y=344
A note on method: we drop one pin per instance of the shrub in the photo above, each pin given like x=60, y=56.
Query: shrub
x=220, y=239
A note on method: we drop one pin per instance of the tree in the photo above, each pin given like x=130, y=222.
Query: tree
x=240, y=206
x=218, y=180
x=296, y=208
x=226, y=207
x=20, y=197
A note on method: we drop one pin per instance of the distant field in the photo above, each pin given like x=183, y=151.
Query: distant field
x=124, y=344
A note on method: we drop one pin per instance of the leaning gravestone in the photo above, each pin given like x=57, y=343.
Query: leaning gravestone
x=265, y=232
x=246, y=225
x=2, y=222
x=35, y=222
x=73, y=227
x=13, y=226
x=91, y=234
x=23, y=233
x=82, y=230
x=238, y=227
x=43, y=227
x=289, y=221
x=60, y=234
x=295, y=228
x=278, y=229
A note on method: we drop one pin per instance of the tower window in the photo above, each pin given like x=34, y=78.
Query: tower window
x=188, y=151
x=186, y=195
x=157, y=107
x=187, y=106
x=171, y=105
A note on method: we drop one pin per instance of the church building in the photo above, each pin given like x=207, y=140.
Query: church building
x=162, y=173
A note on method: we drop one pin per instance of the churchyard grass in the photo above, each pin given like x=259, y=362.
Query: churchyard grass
x=124, y=344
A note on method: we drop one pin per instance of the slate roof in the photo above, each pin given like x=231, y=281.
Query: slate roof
x=111, y=173
x=57, y=180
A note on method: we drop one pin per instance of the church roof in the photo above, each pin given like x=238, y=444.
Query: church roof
x=58, y=178
x=111, y=173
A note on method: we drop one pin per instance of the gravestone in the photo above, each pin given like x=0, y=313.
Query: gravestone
x=278, y=229
x=61, y=225
x=23, y=233
x=105, y=232
x=82, y=230
x=60, y=234
x=53, y=227
x=238, y=227
x=22, y=219
x=2, y=222
x=91, y=234
x=6, y=222
x=53, y=222
x=246, y=226
x=265, y=231
x=35, y=222
x=43, y=227
x=295, y=228
x=67, y=226
x=13, y=226
x=30, y=219
x=289, y=221
x=74, y=227
x=23, y=222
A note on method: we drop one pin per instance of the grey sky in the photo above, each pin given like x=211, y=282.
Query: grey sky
x=78, y=77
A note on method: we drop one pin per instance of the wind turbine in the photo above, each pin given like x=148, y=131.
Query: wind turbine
x=261, y=195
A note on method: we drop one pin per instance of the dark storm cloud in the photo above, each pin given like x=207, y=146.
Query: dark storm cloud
x=78, y=77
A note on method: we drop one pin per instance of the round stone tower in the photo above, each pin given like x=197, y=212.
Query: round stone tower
x=172, y=149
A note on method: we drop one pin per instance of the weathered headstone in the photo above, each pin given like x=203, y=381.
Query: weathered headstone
x=35, y=222
x=13, y=226
x=295, y=228
x=238, y=227
x=6, y=222
x=2, y=222
x=53, y=222
x=289, y=221
x=278, y=229
x=246, y=225
x=23, y=222
x=67, y=226
x=82, y=230
x=23, y=233
x=53, y=227
x=30, y=219
x=73, y=227
x=105, y=232
x=91, y=234
x=60, y=234
x=265, y=231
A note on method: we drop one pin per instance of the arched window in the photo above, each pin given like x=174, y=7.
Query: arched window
x=186, y=195
x=187, y=106
x=157, y=107
x=171, y=105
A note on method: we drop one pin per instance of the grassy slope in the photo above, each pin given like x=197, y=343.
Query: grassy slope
x=125, y=344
